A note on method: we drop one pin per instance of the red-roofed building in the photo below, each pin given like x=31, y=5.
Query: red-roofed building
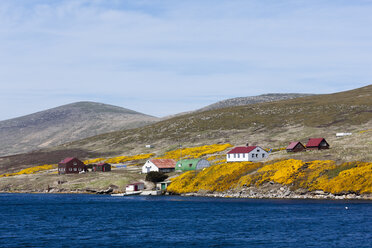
x=160, y=165
x=71, y=166
x=246, y=153
x=317, y=144
x=295, y=147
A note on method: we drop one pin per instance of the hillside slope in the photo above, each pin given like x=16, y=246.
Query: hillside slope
x=270, y=124
x=64, y=124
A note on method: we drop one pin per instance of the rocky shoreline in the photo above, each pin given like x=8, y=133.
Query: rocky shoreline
x=278, y=191
x=267, y=191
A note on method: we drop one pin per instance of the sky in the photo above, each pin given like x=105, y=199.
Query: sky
x=170, y=56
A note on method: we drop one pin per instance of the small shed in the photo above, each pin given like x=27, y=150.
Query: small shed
x=102, y=167
x=192, y=164
x=136, y=186
x=317, y=144
x=162, y=185
x=296, y=147
x=71, y=166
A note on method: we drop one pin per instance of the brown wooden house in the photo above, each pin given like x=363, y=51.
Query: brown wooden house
x=317, y=144
x=295, y=147
x=102, y=167
x=71, y=166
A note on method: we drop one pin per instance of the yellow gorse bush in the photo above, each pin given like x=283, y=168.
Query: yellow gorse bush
x=31, y=170
x=92, y=161
x=196, y=152
x=122, y=159
x=215, y=178
x=315, y=175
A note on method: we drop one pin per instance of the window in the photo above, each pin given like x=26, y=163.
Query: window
x=258, y=150
x=74, y=163
x=257, y=155
x=234, y=155
x=228, y=155
x=263, y=155
x=243, y=155
x=75, y=169
x=70, y=169
x=238, y=155
x=190, y=165
x=252, y=155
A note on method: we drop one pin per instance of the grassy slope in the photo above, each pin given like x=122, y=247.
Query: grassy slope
x=344, y=111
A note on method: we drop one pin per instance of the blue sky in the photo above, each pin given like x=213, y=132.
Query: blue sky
x=166, y=57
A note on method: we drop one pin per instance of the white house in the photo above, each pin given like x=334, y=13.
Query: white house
x=246, y=153
x=160, y=165
x=138, y=186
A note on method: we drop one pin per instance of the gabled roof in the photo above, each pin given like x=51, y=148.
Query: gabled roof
x=164, y=163
x=242, y=149
x=314, y=142
x=66, y=160
x=292, y=145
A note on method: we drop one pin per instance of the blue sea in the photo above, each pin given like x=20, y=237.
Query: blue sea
x=72, y=220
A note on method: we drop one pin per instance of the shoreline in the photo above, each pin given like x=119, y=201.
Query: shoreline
x=314, y=195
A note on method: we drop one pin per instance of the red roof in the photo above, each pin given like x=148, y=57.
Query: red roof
x=314, y=142
x=66, y=160
x=242, y=149
x=292, y=145
x=164, y=163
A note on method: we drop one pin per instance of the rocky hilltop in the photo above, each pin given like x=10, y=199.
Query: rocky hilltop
x=64, y=124
x=240, y=101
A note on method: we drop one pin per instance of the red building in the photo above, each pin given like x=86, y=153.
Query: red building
x=317, y=144
x=71, y=166
x=295, y=147
x=104, y=167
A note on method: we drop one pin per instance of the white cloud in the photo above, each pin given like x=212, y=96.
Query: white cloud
x=169, y=51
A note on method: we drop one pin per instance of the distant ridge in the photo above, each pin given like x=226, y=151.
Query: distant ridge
x=240, y=101
x=64, y=124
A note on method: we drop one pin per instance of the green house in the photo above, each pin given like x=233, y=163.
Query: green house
x=192, y=164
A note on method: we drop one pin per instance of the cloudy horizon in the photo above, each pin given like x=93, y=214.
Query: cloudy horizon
x=166, y=57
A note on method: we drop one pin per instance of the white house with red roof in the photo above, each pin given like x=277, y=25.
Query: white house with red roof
x=160, y=165
x=246, y=153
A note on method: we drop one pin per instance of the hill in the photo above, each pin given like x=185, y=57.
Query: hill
x=240, y=101
x=64, y=124
x=271, y=124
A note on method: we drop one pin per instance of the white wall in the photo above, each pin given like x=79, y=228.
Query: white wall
x=149, y=166
x=255, y=155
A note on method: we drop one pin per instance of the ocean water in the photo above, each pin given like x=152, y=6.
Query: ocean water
x=68, y=220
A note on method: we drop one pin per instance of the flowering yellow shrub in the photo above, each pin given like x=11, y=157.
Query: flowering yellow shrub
x=31, y=170
x=315, y=175
x=196, y=152
x=92, y=161
x=357, y=179
x=216, y=157
x=122, y=159
x=215, y=178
